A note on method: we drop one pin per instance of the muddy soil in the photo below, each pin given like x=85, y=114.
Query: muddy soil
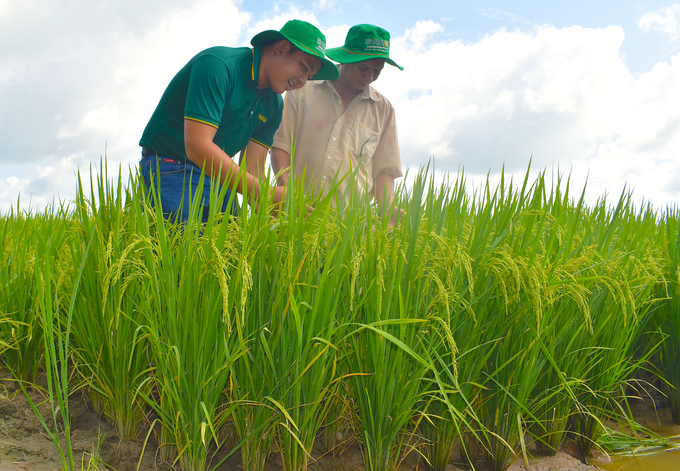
x=24, y=445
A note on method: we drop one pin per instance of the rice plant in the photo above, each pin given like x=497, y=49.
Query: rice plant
x=389, y=353
x=22, y=329
x=288, y=315
x=56, y=317
x=109, y=350
x=621, y=298
x=668, y=241
x=307, y=317
x=186, y=316
x=457, y=351
x=482, y=319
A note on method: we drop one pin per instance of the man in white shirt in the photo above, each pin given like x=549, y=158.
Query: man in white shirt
x=335, y=127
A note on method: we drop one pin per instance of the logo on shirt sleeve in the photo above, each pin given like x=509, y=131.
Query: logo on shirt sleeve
x=262, y=118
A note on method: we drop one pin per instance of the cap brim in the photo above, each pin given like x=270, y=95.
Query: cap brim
x=342, y=56
x=264, y=36
x=328, y=70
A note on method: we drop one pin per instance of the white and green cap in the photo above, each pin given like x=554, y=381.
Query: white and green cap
x=364, y=42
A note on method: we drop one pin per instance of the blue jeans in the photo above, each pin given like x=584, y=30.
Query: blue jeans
x=176, y=184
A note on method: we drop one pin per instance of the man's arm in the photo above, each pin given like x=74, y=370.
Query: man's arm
x=202, y=151
x=281, y=163
x=254, y=158
x=283, y=138
x=384, y=196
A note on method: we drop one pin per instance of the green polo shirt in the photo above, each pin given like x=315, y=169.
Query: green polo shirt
x=218, y=87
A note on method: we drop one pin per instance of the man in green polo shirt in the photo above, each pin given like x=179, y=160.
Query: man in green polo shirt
x=225, y=100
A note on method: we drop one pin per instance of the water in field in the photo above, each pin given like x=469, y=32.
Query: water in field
x=662, y=461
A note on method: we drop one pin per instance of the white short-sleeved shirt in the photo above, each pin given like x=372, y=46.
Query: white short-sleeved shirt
x=326, y=142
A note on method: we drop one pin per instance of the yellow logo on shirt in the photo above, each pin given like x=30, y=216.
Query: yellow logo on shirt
x=263, y=119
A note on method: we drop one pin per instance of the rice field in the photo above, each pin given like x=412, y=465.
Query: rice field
x=484, y=319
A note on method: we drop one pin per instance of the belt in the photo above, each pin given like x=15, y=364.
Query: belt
x=146, y=152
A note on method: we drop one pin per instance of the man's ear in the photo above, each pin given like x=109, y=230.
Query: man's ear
x=282, y=47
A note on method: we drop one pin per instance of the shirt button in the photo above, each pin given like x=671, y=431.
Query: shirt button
x=324, y=177
x=329, y=157
x=333, y=138
x=339, y=119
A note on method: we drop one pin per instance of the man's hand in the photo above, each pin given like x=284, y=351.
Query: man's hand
x=384, y=196
x=279, y=198
x=280, y=160
x=397, y=215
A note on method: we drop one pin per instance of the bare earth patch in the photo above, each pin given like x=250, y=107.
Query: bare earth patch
x=25, y=446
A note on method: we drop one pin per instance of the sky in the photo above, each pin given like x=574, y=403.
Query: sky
x=589, y=90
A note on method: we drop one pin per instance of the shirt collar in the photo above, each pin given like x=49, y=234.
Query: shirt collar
x=255, y=69
x=369, y=92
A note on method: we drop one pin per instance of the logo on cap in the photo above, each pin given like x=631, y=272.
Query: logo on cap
x=381, y=45
x=321, y=45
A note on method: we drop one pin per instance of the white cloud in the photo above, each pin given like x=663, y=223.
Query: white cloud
x=335, y=36
x=81, y=79
x=84, y=78
x=416, y=38
x=560, y=96
x=10, y=188
x=51, y=183
x=665, y=20
x=101, y=119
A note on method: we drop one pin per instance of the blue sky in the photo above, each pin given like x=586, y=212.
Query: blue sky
x=589, y=88
x=470, y=21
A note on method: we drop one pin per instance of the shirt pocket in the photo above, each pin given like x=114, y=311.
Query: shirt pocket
x=365, y=143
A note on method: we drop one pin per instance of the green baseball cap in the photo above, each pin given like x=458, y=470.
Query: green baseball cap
x=308, y=38
x=363, y=42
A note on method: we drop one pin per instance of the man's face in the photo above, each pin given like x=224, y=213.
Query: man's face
x=291, y=70
x=359, y=75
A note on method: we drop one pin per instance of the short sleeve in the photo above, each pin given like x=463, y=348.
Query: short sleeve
x=387, y=158
x=209, y=86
